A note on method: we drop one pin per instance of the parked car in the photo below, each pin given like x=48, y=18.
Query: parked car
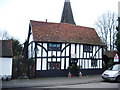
x=112, y=74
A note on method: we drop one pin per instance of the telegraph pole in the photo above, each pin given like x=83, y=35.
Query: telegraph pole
x=118, y=29
x=119, y=19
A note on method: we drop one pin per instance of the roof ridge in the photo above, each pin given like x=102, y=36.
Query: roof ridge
x=64, y=32
x=43, y=22
x=61, y=23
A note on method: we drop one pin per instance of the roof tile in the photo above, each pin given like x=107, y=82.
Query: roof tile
x=6, y=48
x=63, y=32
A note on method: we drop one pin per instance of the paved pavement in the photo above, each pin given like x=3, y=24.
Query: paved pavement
x=50, y=81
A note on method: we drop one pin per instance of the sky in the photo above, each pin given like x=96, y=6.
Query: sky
x=15, y=15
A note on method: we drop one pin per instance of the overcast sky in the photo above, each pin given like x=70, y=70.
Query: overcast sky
x=16, y=14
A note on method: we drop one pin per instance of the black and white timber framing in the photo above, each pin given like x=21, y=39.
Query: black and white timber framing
x=54, y=45
x=52, y=61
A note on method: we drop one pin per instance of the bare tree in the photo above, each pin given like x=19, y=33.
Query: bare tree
x=106, y=28
x=4, y=35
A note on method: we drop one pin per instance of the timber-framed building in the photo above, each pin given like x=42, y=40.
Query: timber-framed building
x=54, y=46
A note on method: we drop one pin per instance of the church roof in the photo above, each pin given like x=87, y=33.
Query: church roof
x=63, y=32
x=67, y=15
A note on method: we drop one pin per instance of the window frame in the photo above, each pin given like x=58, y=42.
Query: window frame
x=50, y=66
x=88, y=48
x=94, y=62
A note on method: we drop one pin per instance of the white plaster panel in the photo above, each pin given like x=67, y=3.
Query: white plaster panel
x=81, y=51
x=38, y=67
x=72, y=48
x=67, y=63
x=44, y=67
x=62, y=63
x=6, y=66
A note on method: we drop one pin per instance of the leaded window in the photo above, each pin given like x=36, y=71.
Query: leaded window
x=53, y=65
x=88, y=48
x=94, y=62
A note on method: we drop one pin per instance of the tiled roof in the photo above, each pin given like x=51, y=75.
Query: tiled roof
x=110, y=54
x=6, y=48
x=63, y=32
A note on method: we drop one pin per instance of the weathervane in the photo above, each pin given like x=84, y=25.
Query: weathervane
x=67, y=0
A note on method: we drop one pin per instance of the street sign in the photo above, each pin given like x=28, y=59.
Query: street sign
x=116, y=58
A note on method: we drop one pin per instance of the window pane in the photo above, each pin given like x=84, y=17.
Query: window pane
x=50, y=44
x=94, y=63
x=58, y=45
x=87, y=48
x=54, y=45
x=54, y=65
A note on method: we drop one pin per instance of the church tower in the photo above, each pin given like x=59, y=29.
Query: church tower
x=67, y=15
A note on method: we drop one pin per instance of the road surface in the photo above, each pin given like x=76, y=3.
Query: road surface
x=88, y=86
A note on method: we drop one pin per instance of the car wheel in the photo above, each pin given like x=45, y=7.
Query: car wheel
x=118, y=79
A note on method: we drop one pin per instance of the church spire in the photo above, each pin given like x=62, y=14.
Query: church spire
x=67, y=15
